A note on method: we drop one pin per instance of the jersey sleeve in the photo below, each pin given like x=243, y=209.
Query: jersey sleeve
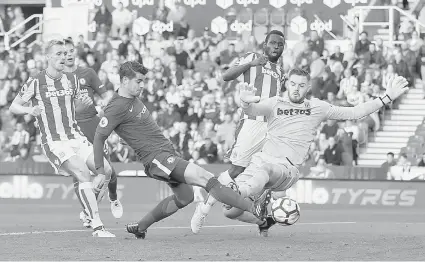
x=112, y=117
x=351, y=113
x=247, y=58
x=95, y=83
x=28, y=90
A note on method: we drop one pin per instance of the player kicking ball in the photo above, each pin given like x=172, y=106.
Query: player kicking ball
x=52, y=94
x=292, y=122
x=87, y=120
x=129, y=118
x=266, y=75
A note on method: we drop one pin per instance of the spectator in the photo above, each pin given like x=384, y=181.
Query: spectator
x=169, y=117
x=321, y=171
x=122, y=47
x=19, y=143
x=317, y=68
x=333, y=153
x=182, y=57
x=101, y=39
x=103, y=19
x=346, y=144
x=226, y=133
x=181, y=140
x=4, y=93
x=121, y=19
x=228, y=55
x=329, y=84
x=410, y=57
x=208, y=151
x=316, y=43
x=330, y=129
x=119, y=153
x=401, y=67
x=376, y=59
x=385, y=167
x=337, y=56
x=362, y=45
x=354, y=131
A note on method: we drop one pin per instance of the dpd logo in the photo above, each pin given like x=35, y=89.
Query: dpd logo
x=300, y=2
x=224, y=3
x=241, y=27
x=321, y=26
x=219, y=25
x=332, y=3
x=245, y=3
x=298, y=25
x=193, y=3
x=354, y=2
x=277, y=3
x=141, y=26
x=141, y=3
x=161, y=27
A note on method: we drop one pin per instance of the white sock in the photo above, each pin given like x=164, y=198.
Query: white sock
x=225, y=179
x=89, y=203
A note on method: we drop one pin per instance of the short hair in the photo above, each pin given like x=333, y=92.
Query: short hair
x=68, y=41
x=130, y=68
x=52, y=43
x=364, y=32
x=390, y=154
x=299, y=72
x=274, y=32
x=403, y=155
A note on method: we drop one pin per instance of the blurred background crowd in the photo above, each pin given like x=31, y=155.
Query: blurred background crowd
x=184, y=91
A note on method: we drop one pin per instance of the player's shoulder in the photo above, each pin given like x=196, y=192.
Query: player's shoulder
x=85, y=71
x=116, y=105
x=315, y=102
x=247, y=57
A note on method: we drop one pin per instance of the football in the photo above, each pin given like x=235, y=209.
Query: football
x=285, y=211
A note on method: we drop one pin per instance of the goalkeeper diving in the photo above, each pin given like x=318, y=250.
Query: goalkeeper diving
x=292, y=121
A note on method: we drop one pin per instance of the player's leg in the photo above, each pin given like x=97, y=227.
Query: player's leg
x=250, y=136
x=88, y=128
x=183, y=196
x=65, y=157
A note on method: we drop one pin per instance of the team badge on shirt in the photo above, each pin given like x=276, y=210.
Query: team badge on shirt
x=103, y=122
x=170, y=160
x=82, y=81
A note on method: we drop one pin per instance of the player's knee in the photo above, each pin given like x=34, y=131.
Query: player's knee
x=235, y=171
x=232, y=213
x=197, y=176
x=184, y=196
x=78, y=170
x=108, y=168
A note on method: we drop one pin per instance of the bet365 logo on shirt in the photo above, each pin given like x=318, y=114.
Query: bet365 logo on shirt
x=292, y=112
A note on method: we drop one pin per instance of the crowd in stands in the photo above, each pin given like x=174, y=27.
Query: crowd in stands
x=187, y=97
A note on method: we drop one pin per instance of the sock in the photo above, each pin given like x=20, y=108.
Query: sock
x=112, y=186
x=250, y=218
x=225, y=179
x=227, y=196
x=165, y=208
x=89, y=203
x=76, y=183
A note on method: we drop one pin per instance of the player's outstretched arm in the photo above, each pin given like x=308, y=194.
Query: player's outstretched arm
x=243, y=65
x=395, y=88
x=250, y=102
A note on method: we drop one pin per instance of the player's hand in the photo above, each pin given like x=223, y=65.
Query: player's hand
x=100, y=185
x=35, y=111
x=247, y=93
x=396, y=87
x=260, y=61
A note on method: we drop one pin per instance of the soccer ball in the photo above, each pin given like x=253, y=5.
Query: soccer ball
x=285, y=211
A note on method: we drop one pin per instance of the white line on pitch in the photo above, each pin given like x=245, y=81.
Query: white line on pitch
x=176, y=227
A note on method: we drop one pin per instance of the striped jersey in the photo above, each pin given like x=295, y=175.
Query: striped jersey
x=55, y=97
x=266, y=79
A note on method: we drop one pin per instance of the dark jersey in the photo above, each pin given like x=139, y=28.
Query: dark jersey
x=132, y=121
x=89, y=84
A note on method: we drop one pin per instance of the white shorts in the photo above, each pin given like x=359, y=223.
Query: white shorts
x=60, y=151
x=249, y=139
x=266, y=172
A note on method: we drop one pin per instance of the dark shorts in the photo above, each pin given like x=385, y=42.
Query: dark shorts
x=88, y=127
x=166, y=167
